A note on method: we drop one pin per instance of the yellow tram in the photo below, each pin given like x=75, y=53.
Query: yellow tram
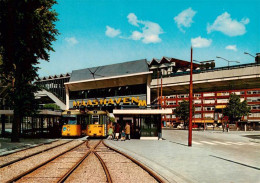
x=97, y=123
x=78, y=123
x=74, y=123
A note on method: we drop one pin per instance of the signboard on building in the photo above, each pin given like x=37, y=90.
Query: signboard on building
x=139, y=101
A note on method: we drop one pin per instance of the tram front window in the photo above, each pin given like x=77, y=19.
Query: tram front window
x=95, y=120
x=72, y=121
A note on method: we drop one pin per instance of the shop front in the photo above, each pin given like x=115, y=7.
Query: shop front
x=145, y=123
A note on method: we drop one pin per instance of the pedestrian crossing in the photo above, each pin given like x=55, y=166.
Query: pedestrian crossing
x=226, y=143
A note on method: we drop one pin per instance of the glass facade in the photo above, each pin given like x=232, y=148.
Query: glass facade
x=108, y=92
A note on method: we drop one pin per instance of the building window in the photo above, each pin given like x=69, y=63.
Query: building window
x=223, y=94
x=197, y=101
x=197, y=116
x=209, y=94
x=253, y=99
x=209, y=108
x=222, y=101
x=209, y=115
x=255, y=107
x=197, y=108
x=197, y=95
x=209, y=101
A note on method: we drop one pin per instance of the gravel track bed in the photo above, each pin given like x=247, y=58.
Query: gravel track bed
x=54, y=170
x=11, y=171
x=90, y=171
x=121, y=168
x=92, y=143
x=24, y=153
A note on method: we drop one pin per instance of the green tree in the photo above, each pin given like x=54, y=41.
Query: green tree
x=27, y=30
x=235, y=108
x=183, y=112
x=51, y=106
x=112, y=119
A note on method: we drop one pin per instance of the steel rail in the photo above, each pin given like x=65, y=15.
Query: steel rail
x=148, y=170
x=109, y=179
x=64, y=177
x=31, y=147
x=42, y=164
x=14, y=161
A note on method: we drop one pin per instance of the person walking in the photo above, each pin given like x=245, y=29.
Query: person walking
x=123, y=135
x=127, y=131
x=110, y=133
x=117, y=131
x=227, y=128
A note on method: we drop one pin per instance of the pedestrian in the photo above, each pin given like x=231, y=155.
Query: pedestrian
x=223, y=127
x=127, y=131
x=110, y=133
x=117, y=131
x=123, y=135
x=227, y=128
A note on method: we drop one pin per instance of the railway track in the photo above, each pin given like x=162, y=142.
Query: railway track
x=105, y=164
x=18, y=169
x=14, y=157
x=92, y=161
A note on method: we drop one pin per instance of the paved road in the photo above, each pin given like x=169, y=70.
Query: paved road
x=214, y=156
x=243, y=147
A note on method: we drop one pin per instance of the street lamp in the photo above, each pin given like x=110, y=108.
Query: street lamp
x=227, y=60
x=190, y=100
x=196, y=61
x=249, y=54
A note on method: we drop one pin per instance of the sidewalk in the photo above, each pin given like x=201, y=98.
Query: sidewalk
x=177, y=162
x=6, y=146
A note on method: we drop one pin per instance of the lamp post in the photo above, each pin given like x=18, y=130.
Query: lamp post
x=190, y=101
x=227, y=60
x=249, y=54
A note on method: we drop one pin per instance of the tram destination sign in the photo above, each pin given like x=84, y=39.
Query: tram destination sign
x=110, y=101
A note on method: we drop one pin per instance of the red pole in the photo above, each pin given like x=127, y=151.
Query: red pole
x=161, y=101
x=158, y=88
x=190, y=101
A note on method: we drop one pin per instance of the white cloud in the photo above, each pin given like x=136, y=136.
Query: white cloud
x=200, y=42
x=149, y=33
x=71, y=41
x=111, y=32
x=136, y=35
x=184, y=19
x=132, y=19
x=227, y=26
x=245, y=21
x=231, y=47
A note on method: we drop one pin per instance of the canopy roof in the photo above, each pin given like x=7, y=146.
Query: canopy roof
x=126, y=73
x=119, y=69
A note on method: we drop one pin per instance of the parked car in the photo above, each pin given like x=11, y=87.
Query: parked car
x=180, y=126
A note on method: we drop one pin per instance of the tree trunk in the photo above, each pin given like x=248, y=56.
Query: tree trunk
x=15, y=128
x=3, y=124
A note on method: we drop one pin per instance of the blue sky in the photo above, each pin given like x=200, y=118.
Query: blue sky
x=101, y=32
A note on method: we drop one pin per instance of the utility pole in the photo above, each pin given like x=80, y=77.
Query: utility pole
x=160, y=133
x=190, y=102
x=158, y=88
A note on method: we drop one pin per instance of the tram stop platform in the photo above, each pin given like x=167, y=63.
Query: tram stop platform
x=176, y=162
x=6, y=146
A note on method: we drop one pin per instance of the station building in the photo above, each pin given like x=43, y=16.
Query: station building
x=123, y=90
x=212, y=89
x=144, y=93
x=126, y=88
